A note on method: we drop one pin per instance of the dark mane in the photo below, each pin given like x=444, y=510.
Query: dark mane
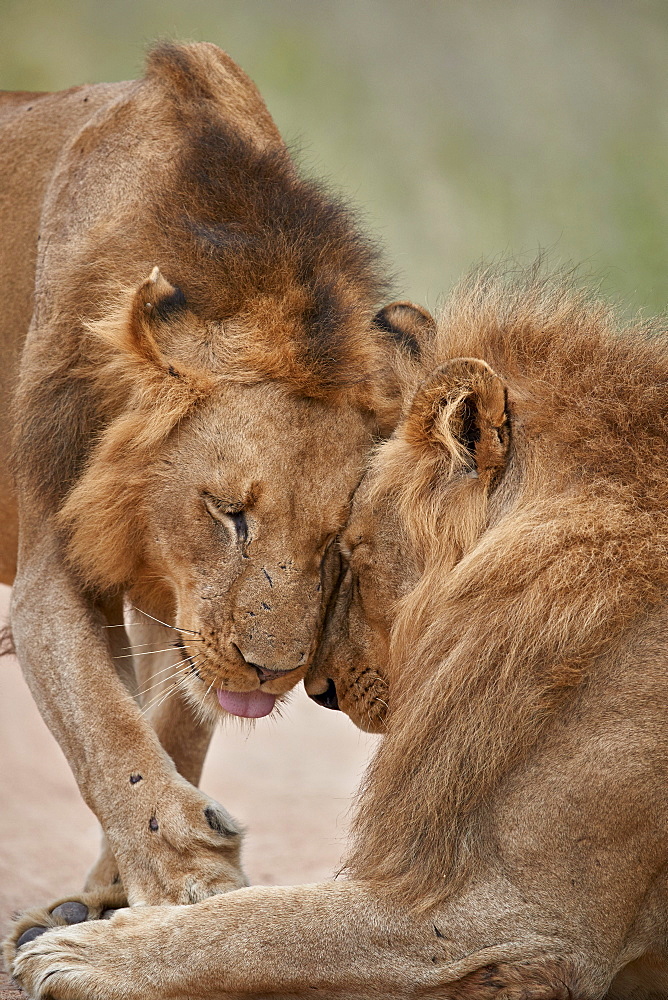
x=278, y=278
x=237, y=223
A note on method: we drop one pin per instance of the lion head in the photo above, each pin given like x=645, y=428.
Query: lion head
x=216, y=497
x=455, y=432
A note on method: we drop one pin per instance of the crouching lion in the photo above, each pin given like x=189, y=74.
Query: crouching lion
x=511, y=836
x=200, y=379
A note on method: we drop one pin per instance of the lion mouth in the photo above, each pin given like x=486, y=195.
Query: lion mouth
x=246, y=704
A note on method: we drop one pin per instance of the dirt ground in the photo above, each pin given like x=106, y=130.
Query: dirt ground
x=290, y=781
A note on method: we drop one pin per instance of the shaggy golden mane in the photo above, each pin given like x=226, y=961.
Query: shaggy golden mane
x=525, y=584
x=280, y=279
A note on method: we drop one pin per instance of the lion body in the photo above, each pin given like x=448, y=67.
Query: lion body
x=184, y=444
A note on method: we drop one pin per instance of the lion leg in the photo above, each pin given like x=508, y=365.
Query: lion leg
x=171, y=842
x=186, y=740
x=329, y=940
x=332, y=940
x=184, y=737
x=104, y=875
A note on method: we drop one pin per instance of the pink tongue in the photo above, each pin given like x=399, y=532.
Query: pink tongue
x=247, y=704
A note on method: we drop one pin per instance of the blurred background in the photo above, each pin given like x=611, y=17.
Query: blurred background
x=463, y=129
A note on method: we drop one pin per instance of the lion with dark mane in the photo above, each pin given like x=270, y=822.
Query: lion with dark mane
x=196, y=378
x=505, y=599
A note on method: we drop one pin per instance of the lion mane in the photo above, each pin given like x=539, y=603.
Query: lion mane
x=529, y=474
x=248, y=243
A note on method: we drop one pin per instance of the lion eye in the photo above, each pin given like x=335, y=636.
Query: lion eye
x=238, y=519
x=225, y=513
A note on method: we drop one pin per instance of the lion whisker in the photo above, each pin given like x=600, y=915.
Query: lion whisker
x=138, y=625
x=200, y=708
x=183, y=676
x=174, y=627
x=174, y=645
x=124, y=625
x=138, y=645
x=151, y=687
x=162, y=697
x=158, y=700
x=206, y=694
x=172, y=666
x=148, y=652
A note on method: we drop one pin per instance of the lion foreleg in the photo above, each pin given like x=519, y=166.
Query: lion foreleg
x=105, y=874
x=147, y=663
x=172, y=843
x=338, y=940
x=328, y=940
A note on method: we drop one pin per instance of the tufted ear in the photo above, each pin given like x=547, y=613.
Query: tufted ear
x=409, y=325
x=137, y=338
x=460, y=411
x=407, y=331
x=155, y=301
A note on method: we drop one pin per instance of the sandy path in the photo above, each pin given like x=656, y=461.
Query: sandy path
x=289, y=781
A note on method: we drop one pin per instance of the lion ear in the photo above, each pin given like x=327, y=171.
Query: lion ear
x=407, y=331
x=155, y=301
x=460, y=411
x=410, y=326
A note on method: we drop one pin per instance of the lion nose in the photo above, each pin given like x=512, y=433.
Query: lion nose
x=266, y=673
x=328, y=698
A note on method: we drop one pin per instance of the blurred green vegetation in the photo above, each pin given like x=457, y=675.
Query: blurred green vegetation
x=464, y=129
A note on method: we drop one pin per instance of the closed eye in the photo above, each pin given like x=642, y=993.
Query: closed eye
x=238, y=519
x=228, y=514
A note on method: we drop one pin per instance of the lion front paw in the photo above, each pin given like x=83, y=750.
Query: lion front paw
x=98, y=904
x=55, y=966
x=189, y=849
x=86, y=961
